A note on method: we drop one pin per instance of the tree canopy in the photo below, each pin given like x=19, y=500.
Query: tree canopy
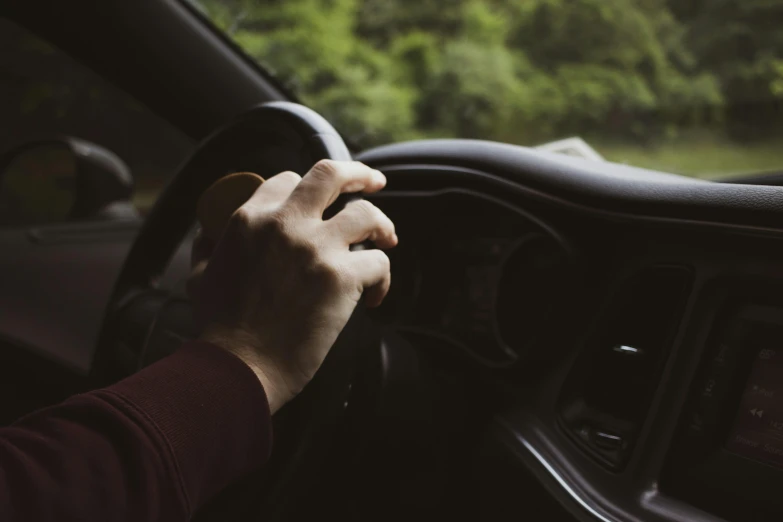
x=521, y=71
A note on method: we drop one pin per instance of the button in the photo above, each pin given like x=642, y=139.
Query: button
x=608, y=441
x=626, y=349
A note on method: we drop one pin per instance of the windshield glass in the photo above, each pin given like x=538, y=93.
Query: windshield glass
x=687, y=86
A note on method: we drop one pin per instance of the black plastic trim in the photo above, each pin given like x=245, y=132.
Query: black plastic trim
x=600, y=186
x=409, y=179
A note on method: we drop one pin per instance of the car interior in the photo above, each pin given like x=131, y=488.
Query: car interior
x=564, y=339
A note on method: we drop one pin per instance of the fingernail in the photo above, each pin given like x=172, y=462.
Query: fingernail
x=379, y=177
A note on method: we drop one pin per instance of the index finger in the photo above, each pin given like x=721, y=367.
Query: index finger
x=328, y=179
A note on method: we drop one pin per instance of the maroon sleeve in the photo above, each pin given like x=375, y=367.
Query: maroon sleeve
x=153, y=447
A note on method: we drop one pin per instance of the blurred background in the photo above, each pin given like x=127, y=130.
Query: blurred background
x=687, y=86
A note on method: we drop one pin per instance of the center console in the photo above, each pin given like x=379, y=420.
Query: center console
x=727, y=456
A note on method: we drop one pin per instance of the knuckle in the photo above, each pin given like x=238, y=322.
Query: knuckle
x=326, y=170
x=277, y=226
x=365, y=209
x=326, y=273
x=284, y=227
x=306, y=250
x=244, y=217
x=374, y=216
x=301, y=248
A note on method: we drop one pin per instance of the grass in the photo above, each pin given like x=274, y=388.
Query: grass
x=704, y=158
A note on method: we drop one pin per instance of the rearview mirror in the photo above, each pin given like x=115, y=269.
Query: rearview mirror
x=61, y=180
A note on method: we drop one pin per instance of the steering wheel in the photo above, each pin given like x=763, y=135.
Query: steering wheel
x=267, y=139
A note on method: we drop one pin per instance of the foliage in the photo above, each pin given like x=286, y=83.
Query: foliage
x=740, y=43
x=521, y=71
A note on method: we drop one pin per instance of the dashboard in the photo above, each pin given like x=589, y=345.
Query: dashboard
x=629, y=320
x=480, y=275
x=625, y=323
x=639, y=347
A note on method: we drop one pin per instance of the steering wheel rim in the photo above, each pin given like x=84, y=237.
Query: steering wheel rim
x=290, y=125
x=303, y=134
x=301, y=137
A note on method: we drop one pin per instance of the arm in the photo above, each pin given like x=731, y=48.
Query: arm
x=274, y=293
x=154, y=446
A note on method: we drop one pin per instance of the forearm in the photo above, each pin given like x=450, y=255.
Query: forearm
x=153, y=447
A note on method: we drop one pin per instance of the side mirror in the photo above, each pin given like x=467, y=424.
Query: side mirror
x=61, y=180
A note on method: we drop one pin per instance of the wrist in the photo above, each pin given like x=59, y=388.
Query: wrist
x=264, y=371
x=272, y=387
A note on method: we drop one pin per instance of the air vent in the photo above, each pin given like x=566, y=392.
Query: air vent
x=608, y=394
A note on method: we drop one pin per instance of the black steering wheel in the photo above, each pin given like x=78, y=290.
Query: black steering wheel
x=267, y=139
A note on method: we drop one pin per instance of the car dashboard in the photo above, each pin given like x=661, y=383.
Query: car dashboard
x=458, y=275
x=634, y=323
x=616, y=330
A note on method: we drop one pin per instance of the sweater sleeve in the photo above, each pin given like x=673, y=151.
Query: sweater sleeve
x=153, y=447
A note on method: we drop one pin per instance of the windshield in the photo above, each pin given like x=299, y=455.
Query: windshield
x=687, y=86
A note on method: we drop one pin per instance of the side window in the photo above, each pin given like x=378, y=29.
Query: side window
x=73, y=146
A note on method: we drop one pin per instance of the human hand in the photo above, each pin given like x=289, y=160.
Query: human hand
x=281, y=283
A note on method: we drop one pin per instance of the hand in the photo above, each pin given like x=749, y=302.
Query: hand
x=281, y=283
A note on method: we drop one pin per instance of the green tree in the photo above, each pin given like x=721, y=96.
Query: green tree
x=313, y=47
x=519, y=70
x=620, y=64
x=741, y=43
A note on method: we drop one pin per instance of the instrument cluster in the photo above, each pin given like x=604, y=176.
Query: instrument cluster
x=485, y=283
